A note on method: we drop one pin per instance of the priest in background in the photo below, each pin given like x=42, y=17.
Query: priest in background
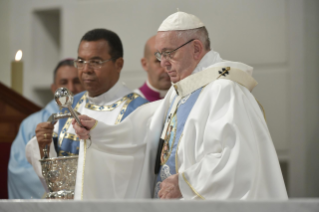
x=208, y=135
x=23, y=183
x=99, y=63
x=158, y=81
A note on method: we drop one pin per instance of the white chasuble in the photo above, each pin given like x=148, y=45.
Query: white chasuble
x=225, y=150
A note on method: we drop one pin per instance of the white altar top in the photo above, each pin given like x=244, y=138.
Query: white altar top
x=298, y=205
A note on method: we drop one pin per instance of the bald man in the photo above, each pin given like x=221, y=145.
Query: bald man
x=158, y=81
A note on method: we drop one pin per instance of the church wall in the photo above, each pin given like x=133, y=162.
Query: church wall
x=296, y=103
x=311, y=72
x=268, y=35
x=5, y=37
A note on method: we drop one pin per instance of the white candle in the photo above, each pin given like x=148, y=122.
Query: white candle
x=17, y=73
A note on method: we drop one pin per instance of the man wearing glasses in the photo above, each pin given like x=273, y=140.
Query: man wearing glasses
x=214, y=141
x=99, y=63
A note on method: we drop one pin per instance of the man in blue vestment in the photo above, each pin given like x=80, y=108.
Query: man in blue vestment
x=99, y=63
x=23, y=183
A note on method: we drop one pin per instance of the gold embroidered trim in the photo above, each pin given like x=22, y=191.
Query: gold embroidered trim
x=94, y=125
x=200, y=196
x=71, y=137
x=176, y=155
x=65, y=152
x=84, y=158
x=54, y=135
x=262, y=108
x=122, y=112
x=170, y=152
x=64, y=130
x=44, y=195
x=110, y=107
x=68, y=122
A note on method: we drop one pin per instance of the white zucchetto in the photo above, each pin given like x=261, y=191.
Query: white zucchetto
x=180, y=21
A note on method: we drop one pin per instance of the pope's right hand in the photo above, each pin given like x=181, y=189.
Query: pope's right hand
x=44, y=133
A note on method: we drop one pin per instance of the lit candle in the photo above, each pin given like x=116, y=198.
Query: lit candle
x=17, y=73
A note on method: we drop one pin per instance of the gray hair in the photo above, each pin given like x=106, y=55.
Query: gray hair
x=199, y=34
x=65, y=62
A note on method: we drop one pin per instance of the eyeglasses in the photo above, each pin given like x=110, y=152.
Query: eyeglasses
x=95, y=64
x=159, y=55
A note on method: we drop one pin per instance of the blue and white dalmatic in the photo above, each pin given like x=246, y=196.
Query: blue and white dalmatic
x=65, y=140
x=110, y=107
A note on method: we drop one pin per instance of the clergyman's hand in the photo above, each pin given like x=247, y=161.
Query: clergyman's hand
x=169, y=188
x=87, y=122
x=43, y=132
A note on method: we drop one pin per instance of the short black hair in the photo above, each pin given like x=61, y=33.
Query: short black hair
x=65, y=62
x=114, y=41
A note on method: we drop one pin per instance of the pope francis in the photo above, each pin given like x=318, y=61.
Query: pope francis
x=207, y=139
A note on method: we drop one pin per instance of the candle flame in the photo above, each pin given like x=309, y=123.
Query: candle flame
x=18, y=55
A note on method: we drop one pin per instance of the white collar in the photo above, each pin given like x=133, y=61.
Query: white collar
x=209, y=59
x=162, y=93
x=117, y=91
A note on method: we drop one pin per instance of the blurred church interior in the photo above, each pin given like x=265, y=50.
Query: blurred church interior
x=279, y=38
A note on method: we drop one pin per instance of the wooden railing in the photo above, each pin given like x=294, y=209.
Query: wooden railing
x=13, y=109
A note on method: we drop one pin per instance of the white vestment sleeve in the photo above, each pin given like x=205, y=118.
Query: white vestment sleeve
x=133, y=128
x=112, y=166
x=234, y=155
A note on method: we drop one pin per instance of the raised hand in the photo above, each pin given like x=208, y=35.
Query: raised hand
x=87, y=122
x=43, y=132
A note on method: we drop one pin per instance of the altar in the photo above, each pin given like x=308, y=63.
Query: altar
x=293, y=205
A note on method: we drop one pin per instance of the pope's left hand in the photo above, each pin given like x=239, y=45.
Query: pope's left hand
x=169, y=188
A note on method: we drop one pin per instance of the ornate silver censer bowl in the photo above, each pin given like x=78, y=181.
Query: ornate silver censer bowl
x=60, y=172
x=60, y=175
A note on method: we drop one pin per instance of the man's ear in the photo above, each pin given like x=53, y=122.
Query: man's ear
x=198, y=49
x=53, y=88
x=119, y=63
x=144, y=63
